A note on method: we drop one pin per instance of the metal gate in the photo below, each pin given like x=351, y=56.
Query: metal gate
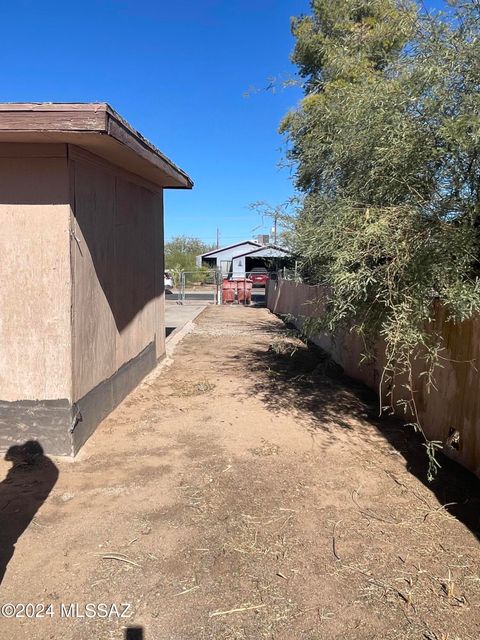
x=204, y=286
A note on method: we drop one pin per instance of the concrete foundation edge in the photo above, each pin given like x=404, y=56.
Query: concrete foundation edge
x=47, y=421
x=95, y=406
x=62, y=428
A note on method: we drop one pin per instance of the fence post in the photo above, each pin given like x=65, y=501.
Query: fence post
x=215, y=290
x=218, y=282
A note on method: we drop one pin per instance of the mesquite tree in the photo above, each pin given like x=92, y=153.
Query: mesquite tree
x=385, y=145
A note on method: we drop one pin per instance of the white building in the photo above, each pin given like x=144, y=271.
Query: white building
x=265, y=256
x=222, y=258
x=237, y=260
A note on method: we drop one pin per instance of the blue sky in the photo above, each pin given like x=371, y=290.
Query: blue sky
x=178, y=72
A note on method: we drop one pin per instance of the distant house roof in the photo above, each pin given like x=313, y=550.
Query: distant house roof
x=266, y=247
x=231, y=246
x=95, y=127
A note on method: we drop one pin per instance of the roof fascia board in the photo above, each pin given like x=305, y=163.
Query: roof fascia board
x=231, y=246
x=242, y=255
x=64, y=122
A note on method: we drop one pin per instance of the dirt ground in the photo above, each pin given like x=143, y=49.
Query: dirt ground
x=247, y=491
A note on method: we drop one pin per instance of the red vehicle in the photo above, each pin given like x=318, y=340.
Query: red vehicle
x=259, y=276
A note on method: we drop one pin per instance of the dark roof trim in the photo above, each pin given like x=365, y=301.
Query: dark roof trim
x=262, y=248
x=231, y=246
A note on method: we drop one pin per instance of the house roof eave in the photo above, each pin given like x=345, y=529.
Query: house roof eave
x=209, y=254
x=95, y=127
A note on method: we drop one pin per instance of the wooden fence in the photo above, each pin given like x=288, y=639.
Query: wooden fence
x=449, y=413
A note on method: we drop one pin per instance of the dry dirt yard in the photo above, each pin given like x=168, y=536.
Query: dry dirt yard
x=247, y=491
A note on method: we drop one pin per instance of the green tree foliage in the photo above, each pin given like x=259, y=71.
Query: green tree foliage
x=181, y=251
x=386, y=149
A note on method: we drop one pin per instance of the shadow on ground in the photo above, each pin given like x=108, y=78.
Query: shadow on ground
x=258, y=299
x=23, y=491
x=300, y=377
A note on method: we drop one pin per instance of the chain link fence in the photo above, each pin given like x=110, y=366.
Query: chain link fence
x=207, y=282
x=212, y=287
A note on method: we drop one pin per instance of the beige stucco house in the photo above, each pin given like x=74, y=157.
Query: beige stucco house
x=81, y=268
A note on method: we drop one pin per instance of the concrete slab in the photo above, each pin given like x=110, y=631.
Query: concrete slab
x=178, y=315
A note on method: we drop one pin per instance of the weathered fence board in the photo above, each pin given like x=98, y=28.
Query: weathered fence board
x=453, y=406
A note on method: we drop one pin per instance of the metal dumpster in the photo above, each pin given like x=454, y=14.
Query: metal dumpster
x=229, y=288
x=244, y=291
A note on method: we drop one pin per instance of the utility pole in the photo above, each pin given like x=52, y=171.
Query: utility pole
x=268, y=211
x=218, y=238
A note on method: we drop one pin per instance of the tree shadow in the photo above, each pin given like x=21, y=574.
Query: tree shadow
x=23, y=491
x=302, y=378
x=299, y=377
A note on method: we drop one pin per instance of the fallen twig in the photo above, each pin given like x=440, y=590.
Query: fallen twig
x=112, y=556
x=379, y=583
x=181, y=593
x=226, y=613
x=369, y=514
x=401, y=484
x=334, y=545
x=443, y=506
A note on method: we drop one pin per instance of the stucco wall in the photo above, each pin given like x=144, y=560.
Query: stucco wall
x=117, y=249
x=82, y=294
x=35, y=355
x=453, y=404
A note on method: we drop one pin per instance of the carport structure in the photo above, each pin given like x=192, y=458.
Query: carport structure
x=81, y=265
x=271, y=257
x=221, y=258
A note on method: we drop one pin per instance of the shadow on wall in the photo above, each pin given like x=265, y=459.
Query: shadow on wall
x=302, y=378
x=119, y=230
x=23, y=491
x=119, y=226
